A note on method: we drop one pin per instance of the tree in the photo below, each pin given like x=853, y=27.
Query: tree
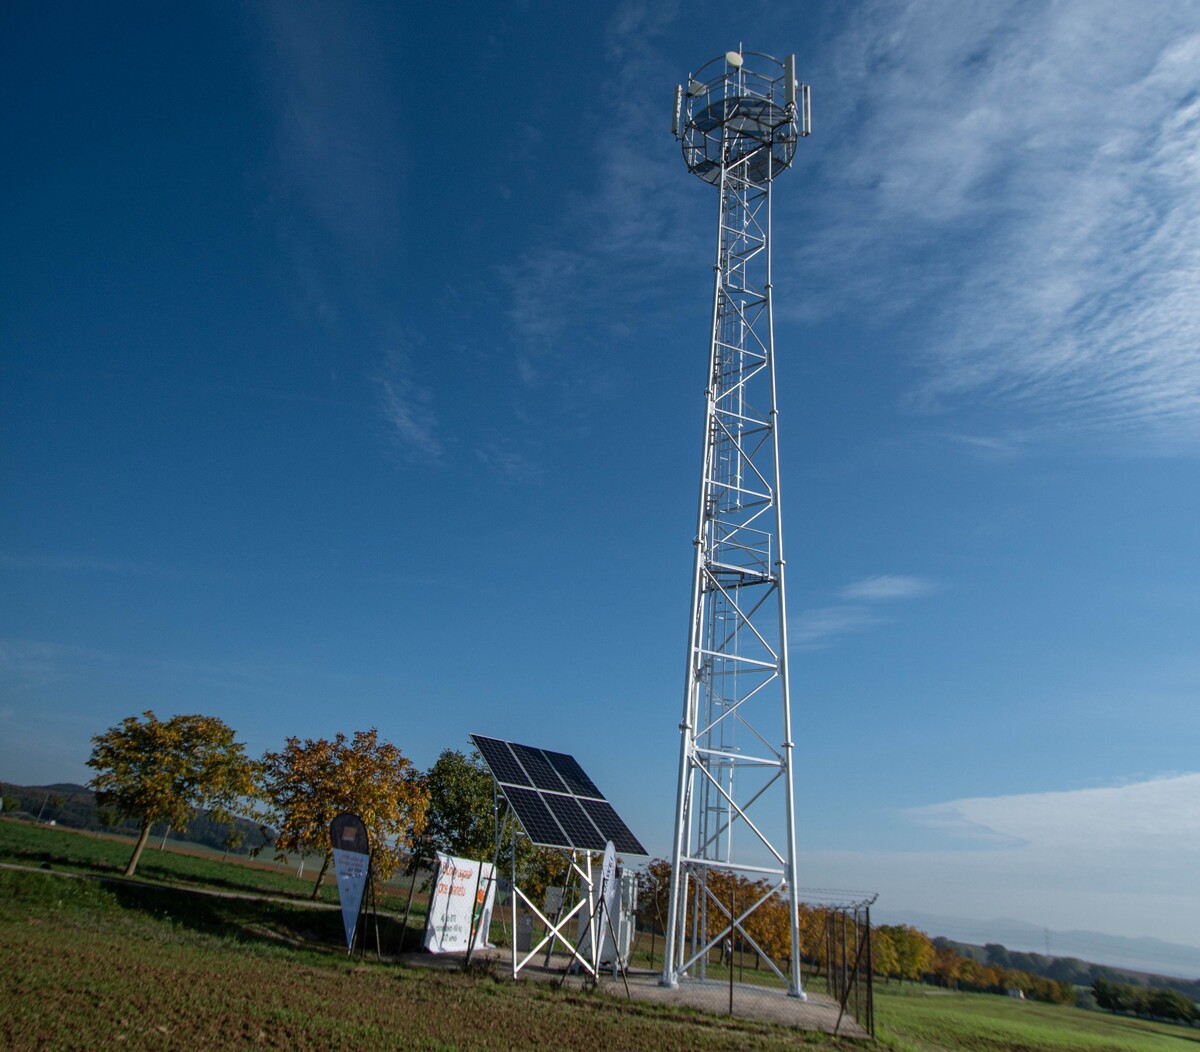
x=153, y=771
x=947, y=966
x=914, y=951
x=883, y=953
x=997, y=955
x=1170, y=1005
x=1068, y=970
x=654, y=892
x=310, y=782
x=460, y=819
x=1111, y=996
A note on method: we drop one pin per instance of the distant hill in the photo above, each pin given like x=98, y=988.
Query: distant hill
x=1139, y=962
x=74, y=806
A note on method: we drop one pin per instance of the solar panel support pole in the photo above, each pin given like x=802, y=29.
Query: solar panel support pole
x=738, y=124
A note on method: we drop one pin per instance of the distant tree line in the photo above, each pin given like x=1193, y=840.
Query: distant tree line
x=1150, y=1003
x=942, y=964
x=74, y=807
x=898, y=951
x=1081, y=974
x=904, y=953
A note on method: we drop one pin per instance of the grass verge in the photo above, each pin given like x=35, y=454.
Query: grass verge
x=918, y=1019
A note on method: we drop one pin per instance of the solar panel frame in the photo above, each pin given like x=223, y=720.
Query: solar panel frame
x=536, y=818
x=501, y=761
x=541, y=772
x=555, y=801
x=575, y=822
x=611, y=826
x=570, y=772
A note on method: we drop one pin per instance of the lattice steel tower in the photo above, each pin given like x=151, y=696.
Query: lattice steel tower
x=739, y=118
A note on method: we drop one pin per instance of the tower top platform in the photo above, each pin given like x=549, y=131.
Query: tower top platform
x=741, y=109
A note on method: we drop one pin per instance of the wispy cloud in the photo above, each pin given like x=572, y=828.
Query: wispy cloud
x=508, y=464
x=888, y=586
x=817, y=628
x=408, y=411
x=32, y=663
x=611, y=244
x=1118, y=858
x=858, y=610
x=1157, y=816
x=1016, y=192
x=337, y=186
x=339, y=131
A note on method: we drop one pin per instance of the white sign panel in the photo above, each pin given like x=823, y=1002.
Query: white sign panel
x=462, y=899
x=603, y=897
x=350, y=868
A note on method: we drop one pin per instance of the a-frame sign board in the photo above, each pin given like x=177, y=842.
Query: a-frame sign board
x=556, y=805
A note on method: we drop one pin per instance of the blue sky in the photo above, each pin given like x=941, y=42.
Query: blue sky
x=351, y=369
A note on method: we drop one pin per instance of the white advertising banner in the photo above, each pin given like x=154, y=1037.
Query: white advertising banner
x=462, y=897
x=604, y=899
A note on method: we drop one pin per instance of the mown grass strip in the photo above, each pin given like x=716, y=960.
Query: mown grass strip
x=935, y=1021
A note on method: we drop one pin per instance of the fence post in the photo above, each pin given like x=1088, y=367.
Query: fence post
x=732, y=933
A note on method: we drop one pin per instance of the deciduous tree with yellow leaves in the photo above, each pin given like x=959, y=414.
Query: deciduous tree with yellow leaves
x=310, y=782
x=166, y=770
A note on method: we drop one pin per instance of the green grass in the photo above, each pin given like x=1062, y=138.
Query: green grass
x=928, y=1020
x=94, y=965
x=78, y=852
x=163, y=964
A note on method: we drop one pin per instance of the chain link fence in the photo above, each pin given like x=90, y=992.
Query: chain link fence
x=736, y=952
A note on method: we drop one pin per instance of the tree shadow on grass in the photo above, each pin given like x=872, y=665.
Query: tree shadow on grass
x=154, y=868
x=256, y=920
x=154, y=865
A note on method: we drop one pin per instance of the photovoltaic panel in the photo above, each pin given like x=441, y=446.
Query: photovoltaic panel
x=557, y=804
x=570, y=771
x=540, y=772
x=535, y=817
x=609, y=823
x=500, y=760
x=578, y=826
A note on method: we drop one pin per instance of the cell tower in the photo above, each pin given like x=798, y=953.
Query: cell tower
x=739, y=118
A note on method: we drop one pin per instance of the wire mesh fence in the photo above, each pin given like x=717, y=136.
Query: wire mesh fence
x=736, y=946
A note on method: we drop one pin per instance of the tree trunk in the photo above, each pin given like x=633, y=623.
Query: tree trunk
x=137, y=851
x=321, y=875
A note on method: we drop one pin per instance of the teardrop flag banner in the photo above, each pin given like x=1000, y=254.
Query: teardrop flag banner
x=351, y=865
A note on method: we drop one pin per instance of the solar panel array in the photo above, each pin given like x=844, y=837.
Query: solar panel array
x=557, y=804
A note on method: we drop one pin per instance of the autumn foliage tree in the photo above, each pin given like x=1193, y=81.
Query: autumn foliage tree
x=654, y=890
x=883, y=954
x=156, y=770
x=310, y=782
x=765, y=932
x=914, y=950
